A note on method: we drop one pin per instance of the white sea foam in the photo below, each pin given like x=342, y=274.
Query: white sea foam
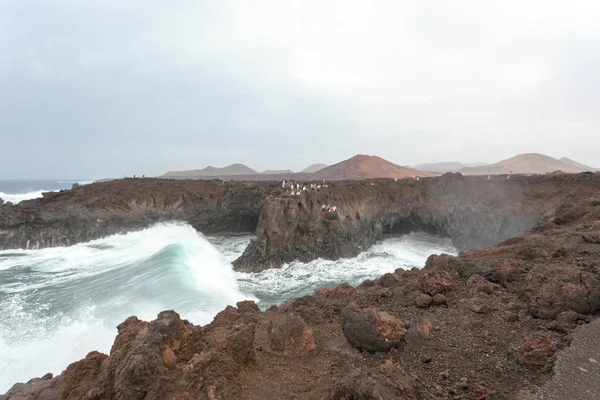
x=60, y=303
x=297, y=279
x=16, y=198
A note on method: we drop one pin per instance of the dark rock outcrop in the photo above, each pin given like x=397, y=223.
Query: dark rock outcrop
x=502, y=320
x=471, y=211
x=371, y=329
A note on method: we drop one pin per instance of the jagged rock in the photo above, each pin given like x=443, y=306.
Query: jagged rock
x=247, y=306
x=388, y=382
x=436, y=282
x=290, y=334
x=82, y=376
x=343, y=291
x=537, y=350
x=370, y=329
x=44, y=388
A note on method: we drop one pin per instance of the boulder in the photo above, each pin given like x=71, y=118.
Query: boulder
x=439, y=300
x=388, y=280
x=288, y=333
x=389, y=381
x=423, y=300
x=536, y=351
x=371, y=329
x=436, y=282
x=478, y=284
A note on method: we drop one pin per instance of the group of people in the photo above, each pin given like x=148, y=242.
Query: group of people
x=293, y=188
x=328, y=209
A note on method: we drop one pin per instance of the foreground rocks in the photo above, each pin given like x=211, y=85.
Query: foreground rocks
x=488, y=324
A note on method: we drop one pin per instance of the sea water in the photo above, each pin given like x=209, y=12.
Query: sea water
x=60, y=303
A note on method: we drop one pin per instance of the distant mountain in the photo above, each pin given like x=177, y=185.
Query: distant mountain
x=277, y=171
x=532, y=163
x=366, y=167
x=313, y=168
x=576, y=164
x=476, y=164
x=233, y=169
x=441, y=167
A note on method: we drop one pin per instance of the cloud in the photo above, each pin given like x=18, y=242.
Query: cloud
x=106, y=87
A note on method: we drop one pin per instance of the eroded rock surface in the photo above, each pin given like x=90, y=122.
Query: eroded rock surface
x=498, y=319
x=472, y=211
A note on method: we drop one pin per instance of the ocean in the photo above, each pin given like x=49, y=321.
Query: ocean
x=60, y=303
x=15, y=191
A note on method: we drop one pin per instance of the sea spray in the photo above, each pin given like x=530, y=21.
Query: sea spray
x=60, y=303
x=63, y=302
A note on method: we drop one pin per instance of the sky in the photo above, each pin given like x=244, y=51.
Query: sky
x=107, y=88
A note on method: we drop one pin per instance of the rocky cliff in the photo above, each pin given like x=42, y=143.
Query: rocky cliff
x=105, y=208
x=472, y=211
x=487, y=324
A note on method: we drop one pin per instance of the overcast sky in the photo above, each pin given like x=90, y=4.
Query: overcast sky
x=99, y=88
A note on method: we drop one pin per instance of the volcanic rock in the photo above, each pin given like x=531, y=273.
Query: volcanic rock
x=389, y=381
x=537, y=350
x=437, y=282
x=423, y=300
x=479, y=284
x=371, y=329
x=290, y=334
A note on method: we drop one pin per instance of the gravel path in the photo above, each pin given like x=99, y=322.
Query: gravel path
x=577, y=368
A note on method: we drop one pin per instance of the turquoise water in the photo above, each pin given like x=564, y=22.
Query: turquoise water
x=60, y=303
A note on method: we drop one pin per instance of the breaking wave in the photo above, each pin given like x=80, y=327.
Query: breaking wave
x=60, y=303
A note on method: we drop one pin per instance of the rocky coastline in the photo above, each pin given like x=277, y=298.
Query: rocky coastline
x=487, y=324
x=472, y=211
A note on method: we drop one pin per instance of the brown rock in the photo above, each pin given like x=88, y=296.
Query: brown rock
x=440, y=300
x=82, y=376
x=389, y=381
x=478, y=284
x=478, y=305
x=247, y=306
x=536, y=351
x=388, y=280
x=423, y=300
x=425, y=327
x=289, y=333
x=436, y=282
x=370, y=329
x=593, y=237
x=549, y=292
x=343, y=291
